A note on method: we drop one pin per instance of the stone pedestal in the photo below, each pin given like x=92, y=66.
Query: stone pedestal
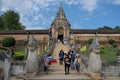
x=95, y=75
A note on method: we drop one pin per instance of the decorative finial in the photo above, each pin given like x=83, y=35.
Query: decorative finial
x=61, y=4
x=95, y=34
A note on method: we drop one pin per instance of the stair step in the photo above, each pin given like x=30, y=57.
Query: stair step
x=56, y=71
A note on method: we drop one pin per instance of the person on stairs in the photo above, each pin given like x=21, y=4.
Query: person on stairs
x=66, y=63
x=61, y=56
x=77, y=63
x=46, y=63
x=72, y=54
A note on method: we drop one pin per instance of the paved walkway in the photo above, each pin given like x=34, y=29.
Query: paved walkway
x=56, y=71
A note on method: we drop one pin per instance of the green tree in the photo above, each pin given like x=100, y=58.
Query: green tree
x=1, y=24
x=11, y=20
x=106, y=27
x=117, y=27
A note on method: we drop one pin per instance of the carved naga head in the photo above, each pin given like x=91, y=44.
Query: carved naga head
x=95, y=47
x=32, y=45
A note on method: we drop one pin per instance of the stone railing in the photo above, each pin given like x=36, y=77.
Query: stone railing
x=50, y=51
x=40, y=63
x=18, y=67
x=111, y=69
x=84, y=60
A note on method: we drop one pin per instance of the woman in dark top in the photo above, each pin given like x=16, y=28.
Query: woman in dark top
x=67, y=63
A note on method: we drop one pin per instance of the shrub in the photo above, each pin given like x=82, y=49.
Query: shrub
x=111, y=41
x=90, y=40
x=102, y=46
x=115, y=45
x=19, y=56
x=102, y=51
x=8, y=42
x=25, y=43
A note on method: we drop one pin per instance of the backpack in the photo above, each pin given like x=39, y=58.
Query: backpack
x=77, y=63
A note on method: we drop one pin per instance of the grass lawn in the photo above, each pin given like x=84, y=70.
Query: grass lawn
x=109, y=54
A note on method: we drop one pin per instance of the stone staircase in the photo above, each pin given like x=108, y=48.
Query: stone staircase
x=57, y=49
x=56, y=71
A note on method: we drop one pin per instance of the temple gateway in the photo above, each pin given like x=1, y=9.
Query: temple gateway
x=60, y=27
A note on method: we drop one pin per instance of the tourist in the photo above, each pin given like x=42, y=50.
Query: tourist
x=46, y=63
x=77, y=63
x=66, y=63
x=72, y=54
x=61, y=56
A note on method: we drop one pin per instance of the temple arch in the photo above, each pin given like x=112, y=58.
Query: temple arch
x=60, y=33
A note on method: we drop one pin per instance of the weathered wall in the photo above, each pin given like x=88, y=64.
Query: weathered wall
x=111, y=69
x=21, y=38
x=101, y=37
x=18, y=67
x=81, y=35
x=24, y=37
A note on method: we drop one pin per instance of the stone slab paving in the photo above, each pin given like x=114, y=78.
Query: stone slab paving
x=56, y=71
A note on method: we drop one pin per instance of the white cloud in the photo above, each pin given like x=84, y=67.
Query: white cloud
x=72, y=2
x=31, y=11
x=87, y=19
x=115, y=2
x=104, y=13
x=77, y=26
x=89, y=5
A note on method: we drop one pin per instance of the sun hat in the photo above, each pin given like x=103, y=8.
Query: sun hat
x=77, y=55
x=65, y=52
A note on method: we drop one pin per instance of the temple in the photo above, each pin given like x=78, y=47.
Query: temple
x=35, y=43
x=60, y=30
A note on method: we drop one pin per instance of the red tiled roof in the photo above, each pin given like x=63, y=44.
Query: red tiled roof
x=93, y=31
x=24, y=31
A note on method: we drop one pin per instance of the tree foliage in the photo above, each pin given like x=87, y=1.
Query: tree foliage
x=109, y=28
x=10, y=19
x=1, y=24
x=106, y=27
x=117, y=27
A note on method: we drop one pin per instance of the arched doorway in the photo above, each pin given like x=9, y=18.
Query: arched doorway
x=60, y=33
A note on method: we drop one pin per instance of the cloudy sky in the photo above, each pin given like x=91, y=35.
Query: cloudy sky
x=82, y=14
